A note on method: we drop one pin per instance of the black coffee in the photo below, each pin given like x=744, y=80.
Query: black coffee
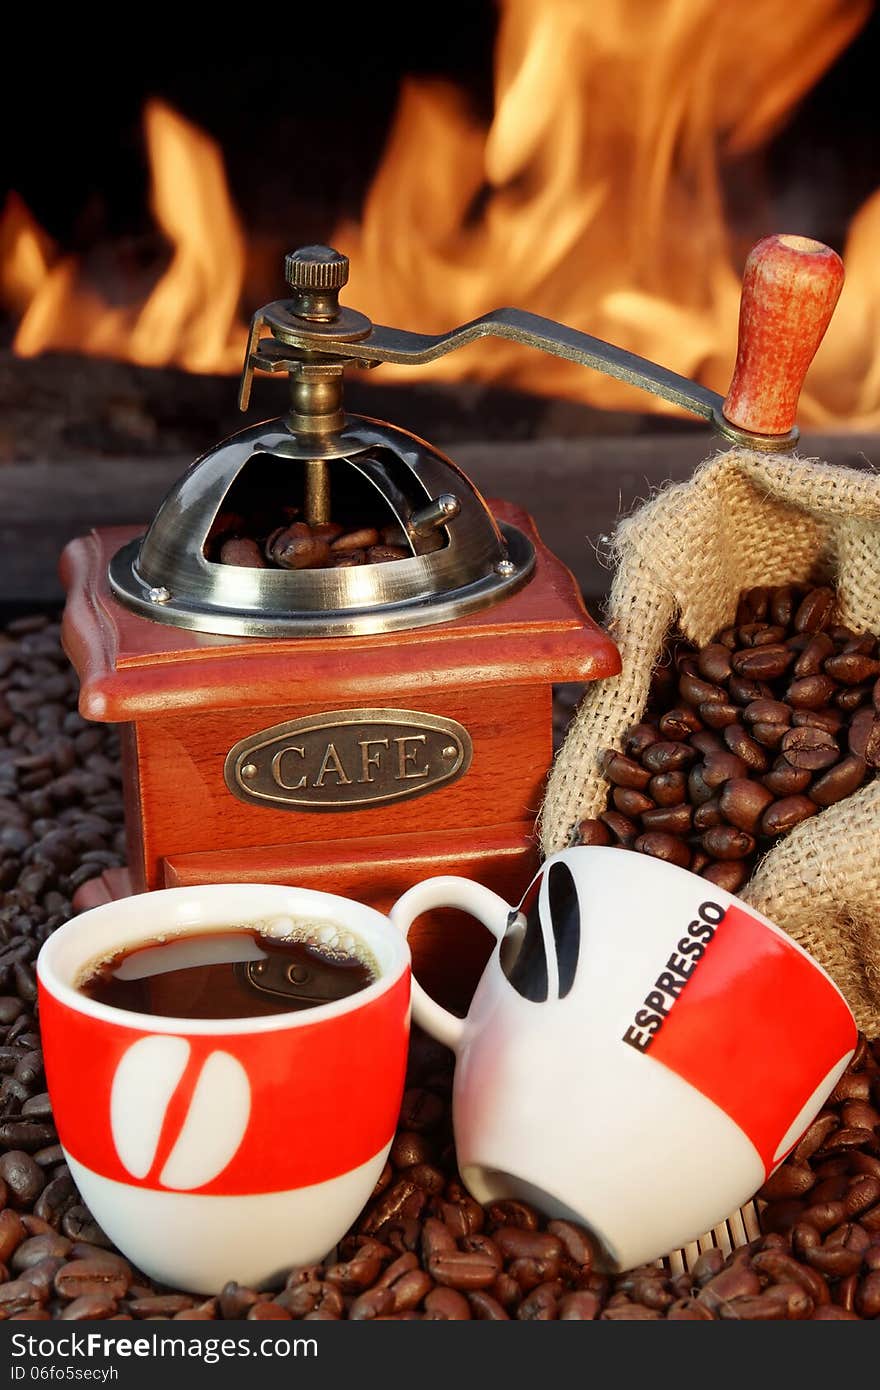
x=230, y=974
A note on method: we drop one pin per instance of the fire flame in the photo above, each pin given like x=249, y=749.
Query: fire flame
x=594, y=196
x=191, y=317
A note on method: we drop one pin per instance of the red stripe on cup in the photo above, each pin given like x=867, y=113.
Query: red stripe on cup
x=756, y=1029
x=324, y=1096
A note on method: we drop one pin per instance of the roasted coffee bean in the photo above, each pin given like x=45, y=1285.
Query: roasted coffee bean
x=864, y=736
x=410, y=1148
x=781, y=1268
x=768, y=735
x=831, y=720
x=576, y=1242
x=582, y=1306
x=236, y=1299
x=463, y=1269
x=719, y=715
x=674, y=819
x=446, y=1305
x=12, y=1233
x=707, y=815
x=761, y=634
x=696, y=692
x=79, y=1224
x=815, y=610
x=242, y=552
x=812, y=749
x=779, y=1301
x=730, y=874
x=726, y=842
x=89, y=1307
x=593, y=832
x=839, y=781
x=812, y=659
x=697, y=788
x=16, y=1296
x=260, y=1312
x=810, y=692
x=37, y=1248
x=511, y=1212
x=631, y=802
x=867, y=1299
x=743, y=690
x=663, y=846
x=851, y=697
x=668, y=788
x=667, y=757
x=23, y=1177
x=785, y=780
x=852, y=668
x=767, y=712
x=542, y=1304
x=485, y=1307
x=786, y=813
x=91, y=1277
x=361, y=539
x=737, y=1280
x=347, y=559
x=622, y=771
x=678, y=724
x=823, y=1125
x=718, y=768
x=743, y=803
x=783, y=605
x=298, y=548
x=791, y=1180
x=745, y=747
x=762, y=663
x=382, y=554
x=713, y=663
x=623, y=830
x=640, y=737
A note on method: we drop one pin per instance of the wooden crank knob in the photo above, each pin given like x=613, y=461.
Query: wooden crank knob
x=790, y=287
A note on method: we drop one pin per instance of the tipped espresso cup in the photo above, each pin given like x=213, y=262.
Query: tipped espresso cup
x=212, y=1149
x=642, y=1049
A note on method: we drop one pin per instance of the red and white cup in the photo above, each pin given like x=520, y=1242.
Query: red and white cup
x=218, y=1149
x=642, y=1050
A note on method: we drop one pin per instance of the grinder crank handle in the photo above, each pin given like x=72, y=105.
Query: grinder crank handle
x=790, y=287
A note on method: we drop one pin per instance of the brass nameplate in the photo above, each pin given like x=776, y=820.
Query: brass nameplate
x=348, y=758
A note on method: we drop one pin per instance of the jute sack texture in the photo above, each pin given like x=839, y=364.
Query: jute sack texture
x=682, y=560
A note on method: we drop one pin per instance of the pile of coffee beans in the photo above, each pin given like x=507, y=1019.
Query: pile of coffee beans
x=422, y=1248
x=777, y=718
x=295, y=545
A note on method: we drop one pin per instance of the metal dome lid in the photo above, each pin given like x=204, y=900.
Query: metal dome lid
x=444, y=553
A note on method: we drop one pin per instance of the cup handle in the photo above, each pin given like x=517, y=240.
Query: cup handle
x=447, y=891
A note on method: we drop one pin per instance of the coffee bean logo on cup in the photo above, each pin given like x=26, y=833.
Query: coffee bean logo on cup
x=625, y=1012
x=224, y=1147
x=217, y=1101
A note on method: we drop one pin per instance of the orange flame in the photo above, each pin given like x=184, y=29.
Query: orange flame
x=594, y=196
x=191, y=317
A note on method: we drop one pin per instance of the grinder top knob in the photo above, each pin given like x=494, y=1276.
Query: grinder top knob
x=316, y=274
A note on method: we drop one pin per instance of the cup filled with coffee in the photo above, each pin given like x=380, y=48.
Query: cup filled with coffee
x=226, y=1065
x=642, y=1050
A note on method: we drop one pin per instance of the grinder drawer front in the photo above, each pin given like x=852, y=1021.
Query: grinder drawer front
x=189, y=785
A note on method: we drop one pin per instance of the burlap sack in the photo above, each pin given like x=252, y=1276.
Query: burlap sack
x=682, y=561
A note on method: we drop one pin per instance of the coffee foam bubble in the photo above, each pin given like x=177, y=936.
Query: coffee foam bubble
x=320, y=934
